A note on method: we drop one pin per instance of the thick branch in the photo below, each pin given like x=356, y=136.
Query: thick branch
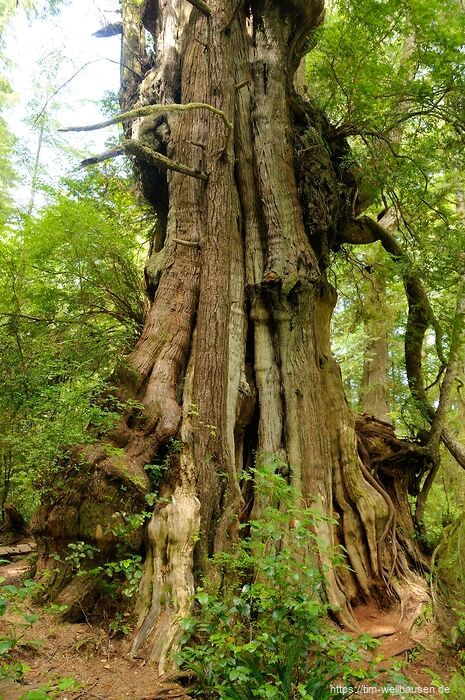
x=202, y=6
x=144, y=153
x=455, y=355
x=439, y=419
x=149, y=110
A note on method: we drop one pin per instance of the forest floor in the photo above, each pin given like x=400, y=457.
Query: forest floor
x=53, y=650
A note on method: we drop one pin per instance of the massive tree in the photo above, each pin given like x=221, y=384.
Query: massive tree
x=252, y=189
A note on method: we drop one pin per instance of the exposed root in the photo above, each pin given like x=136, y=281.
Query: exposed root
x=167, y=587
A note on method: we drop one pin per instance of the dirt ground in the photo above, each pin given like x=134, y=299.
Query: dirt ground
x=54, y=650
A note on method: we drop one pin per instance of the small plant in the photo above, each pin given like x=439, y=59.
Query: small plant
x=80, y=551
x=262, y=627
x=9, y=667
x=52, y=690
x=457, y=636
x=157, y=471
x=9, y=594
x=119, y=626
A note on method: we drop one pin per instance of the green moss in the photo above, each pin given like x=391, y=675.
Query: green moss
x=92, y=514
x=450, y=572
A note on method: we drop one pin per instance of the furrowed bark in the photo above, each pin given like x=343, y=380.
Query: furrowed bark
x=374, y=388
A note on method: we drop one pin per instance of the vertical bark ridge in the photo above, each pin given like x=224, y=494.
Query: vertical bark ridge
x=289, y=258
x=216, y=480
x=162, y=350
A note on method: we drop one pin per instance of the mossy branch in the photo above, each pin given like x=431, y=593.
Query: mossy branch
x=150, y=110
x=202, y=6
x=160, y=161
x=145, y=153
x=420, y=318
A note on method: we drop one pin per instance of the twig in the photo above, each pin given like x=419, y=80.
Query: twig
x=197, y=143
x=85, y=691
x=89, y=63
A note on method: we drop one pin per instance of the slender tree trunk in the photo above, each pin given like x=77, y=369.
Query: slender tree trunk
x=374, y=397
x=234, y=359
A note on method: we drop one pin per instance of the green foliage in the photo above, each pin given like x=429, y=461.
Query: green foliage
x=116, y=578
x=72, y=300
x=52, y=690
x=390, y=76
x=157, y=470
x=262, y=629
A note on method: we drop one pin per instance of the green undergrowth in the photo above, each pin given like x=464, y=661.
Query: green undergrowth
x=262, y=627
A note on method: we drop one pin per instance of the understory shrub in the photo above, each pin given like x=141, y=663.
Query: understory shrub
x=262, y=627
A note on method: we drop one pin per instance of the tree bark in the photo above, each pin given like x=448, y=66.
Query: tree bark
x=374, y=397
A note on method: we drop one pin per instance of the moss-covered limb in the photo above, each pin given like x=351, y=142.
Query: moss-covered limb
x=148, y=155
x=439, y=419
x=150, y=110
x=420, y=314
x=202, y=6
x=455, y=355
x=160, y=161
x=449, y=579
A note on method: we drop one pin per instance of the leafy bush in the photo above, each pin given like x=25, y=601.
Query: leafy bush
x=262, y=629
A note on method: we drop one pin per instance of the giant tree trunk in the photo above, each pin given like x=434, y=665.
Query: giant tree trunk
x=234, y=359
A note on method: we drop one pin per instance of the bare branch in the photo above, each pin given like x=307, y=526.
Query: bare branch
x=190, y=244
x=89, y=63
x=106, y=155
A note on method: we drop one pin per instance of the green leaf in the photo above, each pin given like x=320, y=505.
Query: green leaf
x=6, y=645
x=38, y=694
x=67, y=683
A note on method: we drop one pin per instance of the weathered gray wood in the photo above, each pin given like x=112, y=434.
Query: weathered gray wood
x=16, y=549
